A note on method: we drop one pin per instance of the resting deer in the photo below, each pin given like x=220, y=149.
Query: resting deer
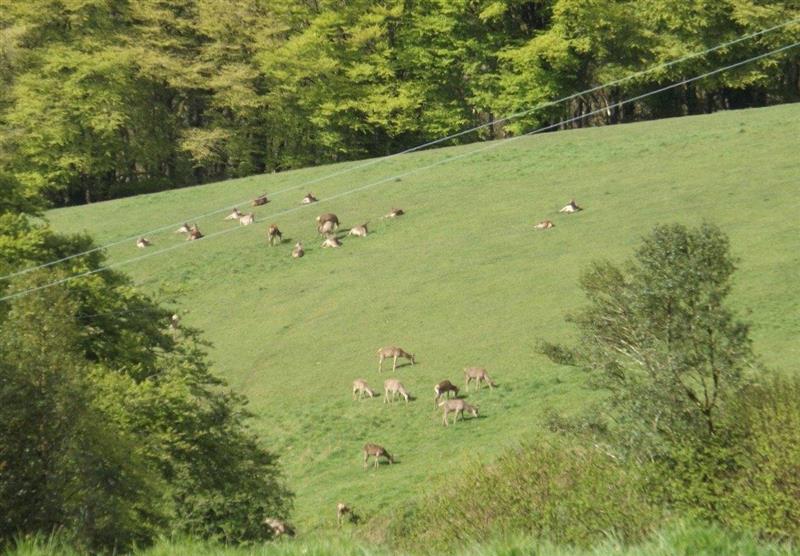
x=358, y=231
x=545, y=225
x=394, y=387
x=308, y=199
x=394, y=353
x=331, y=241
x=184, y=229
x=298, y=251
x=279, y=527
x=570, y=207
x=375, y=451
x=247, y=219
x=194, y=233
x=143, y=242
x=234, y=215
x=444, y=388
x=458, y=407
x=361, y=388
x=342, y=510
x=260, y=200
x=477, y=374
x=394, y=213
x=274, y=235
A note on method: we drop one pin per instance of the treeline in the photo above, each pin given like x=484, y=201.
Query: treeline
x=106, y=98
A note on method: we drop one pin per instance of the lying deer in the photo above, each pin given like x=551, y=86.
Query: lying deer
x=331, y=241
x=247, y=219
x=308, y=199
x=143, y=242
x=279, y=527
x=394, y=353
x=394, y=213
x=342, y=510
x=298, y=251
x=184, y=229
x=444, y=388
x=260, y=200
x=358, y=231
x=361, y=388
x=570, y=207
x=274, y=235
x=545, y=225
x=375, y=451
x=194, y=233
x=477, y=374
x=458, y=407
x=394, y=387
x=234, y=215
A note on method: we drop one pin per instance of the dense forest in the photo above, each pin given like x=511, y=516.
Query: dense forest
x=107, y=98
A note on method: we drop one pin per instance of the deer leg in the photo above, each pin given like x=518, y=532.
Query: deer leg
x=380, y=363
x=366, y=457
x=394, y=364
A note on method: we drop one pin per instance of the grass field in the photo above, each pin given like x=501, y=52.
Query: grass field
x=461, y=280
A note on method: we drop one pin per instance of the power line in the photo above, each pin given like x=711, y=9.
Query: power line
x=379, y=160
x=488, y=147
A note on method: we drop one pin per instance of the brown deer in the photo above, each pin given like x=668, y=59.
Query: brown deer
x=194, y=233
x=184, y=229
x=361, y=388
x=274, y=234
x=331, y=241
x=342, y=510
x=308, y=199
x=375, y=451
x=298, y=251
x=247, y=219
x=570, y=207
x=358, y=231
x=394, y=213
x=394, y=353
x=143, y=242
x=394, y=387
x=279, y=527
x=234, y=215
x=328, y=217
x=457, y=407
x=444, y=388
x=545, y=225
x=477, y=374
x=260, y=200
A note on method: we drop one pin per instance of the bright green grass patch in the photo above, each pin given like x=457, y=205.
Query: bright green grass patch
x=462, y=279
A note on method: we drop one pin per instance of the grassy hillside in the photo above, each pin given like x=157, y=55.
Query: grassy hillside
x=462, y=279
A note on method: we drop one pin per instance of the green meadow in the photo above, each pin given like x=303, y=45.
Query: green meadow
x=462, y=279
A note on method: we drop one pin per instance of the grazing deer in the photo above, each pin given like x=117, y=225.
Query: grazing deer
x=143, y=242
x=570, y=207
x=326, y=228
x=358, y=231
x=184, y=229
x=308, y=199
x=545, y=225
x=458, y=407
x=194, y=233
x=360, y=387
x=444, y=388
x=477, y=374
x=279, y=527
x=375, y=451
x=234, y=215
x=331, y=241
x=274, y=235
x=247, y=219
x=342, y=510
x=394, y=387
x=260, y=200
x=394, y=353
x=394, y=213
x=174, y=322
x=298, y=251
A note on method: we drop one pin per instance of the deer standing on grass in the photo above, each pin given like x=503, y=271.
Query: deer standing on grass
x=260, y=200
x=394, y=387
x=327, y=217
x=457, y=407
x=247, y=219
x=342, y=510
x=361, y=388
x=545, y=225
x=477, y=374
x=234, y=215
x=394, y=213
x=194, y=233
x=394, y=353
x=358, y=231
x=308, y=199
x=444, y=388
x=298, y=251
x=375, y=451
x=570, y=207
x=326, y=228
x=274, y=235
x=143, y=242
x=279, y=527
x=331, y=241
